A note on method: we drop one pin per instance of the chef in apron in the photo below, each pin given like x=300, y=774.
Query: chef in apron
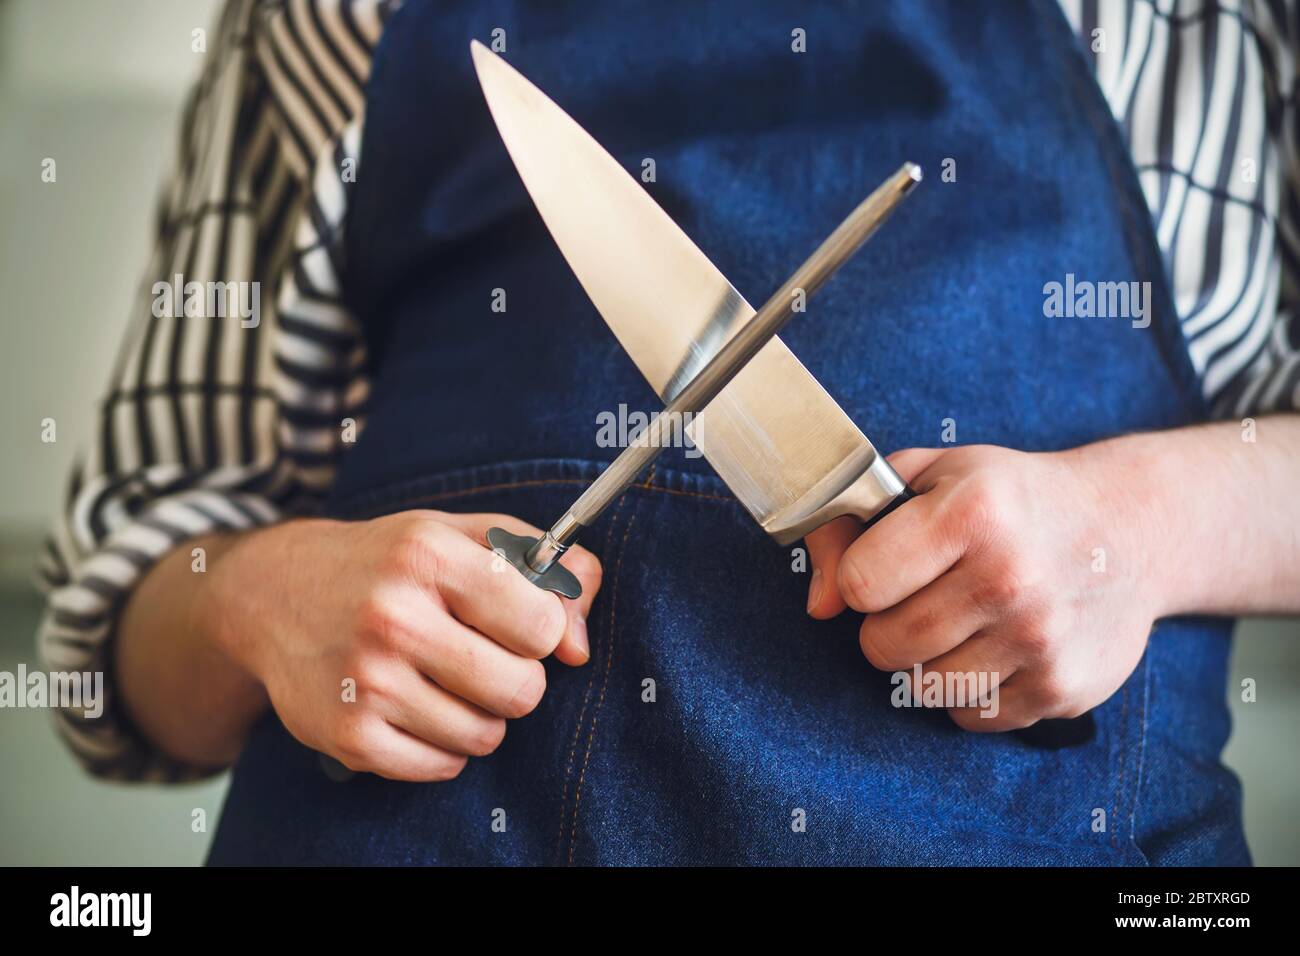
x=717, y=722
x=714, y=698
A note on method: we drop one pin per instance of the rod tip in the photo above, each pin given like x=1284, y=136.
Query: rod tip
x=913, y=172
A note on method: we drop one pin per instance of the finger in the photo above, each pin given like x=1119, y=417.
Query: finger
x=826, y=546
x=486, y=593
x=933, y=621
x=423, y=709
x=897, y=556
x=478, y=669
x=911, y=462
x=397, y=755
x=1012, y=707
x=574, y=648
x=968, y=678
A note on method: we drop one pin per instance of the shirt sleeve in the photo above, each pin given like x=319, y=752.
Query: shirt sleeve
x=1204, y=97
x=241, y=379
x=1270, y=382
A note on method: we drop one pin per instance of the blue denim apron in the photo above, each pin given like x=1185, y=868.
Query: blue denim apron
x=768, y=738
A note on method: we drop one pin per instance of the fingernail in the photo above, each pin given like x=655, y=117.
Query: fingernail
x=815, y=589
x=580, y=637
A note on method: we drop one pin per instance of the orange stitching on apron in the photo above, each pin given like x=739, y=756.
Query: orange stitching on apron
x=532, y=483
x=1142, y=750
x=1123, y=760
x=462, y=492
x=646, y=486
x=586, y=697
x=604, y=684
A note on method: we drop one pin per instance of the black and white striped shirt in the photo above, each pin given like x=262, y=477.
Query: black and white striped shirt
x=208, y=425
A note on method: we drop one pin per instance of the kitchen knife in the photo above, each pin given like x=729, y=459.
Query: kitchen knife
x=780, y=442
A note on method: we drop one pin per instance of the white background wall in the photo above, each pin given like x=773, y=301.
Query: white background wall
x=96, y=85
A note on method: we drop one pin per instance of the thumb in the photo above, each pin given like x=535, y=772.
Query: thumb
x=575, y=647
x=826, y=546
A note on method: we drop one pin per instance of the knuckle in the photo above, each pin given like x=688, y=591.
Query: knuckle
x=854, y=586
x=376, y=682
x=981, y=506
x=447, y=768
x=1072, y=708
x=880, y=646
x=529, y=694
x=487, y=737
x=550, y=623
x=361, y=667
x=1037, y=634
x=353, y=743
x=965, y=718
x=353, y=761
x=417, y=545
x=998, y=589
x=1056, y=690
x=1034, y=641
x=376, y=619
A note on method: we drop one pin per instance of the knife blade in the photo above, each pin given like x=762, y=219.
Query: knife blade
x=780, y=442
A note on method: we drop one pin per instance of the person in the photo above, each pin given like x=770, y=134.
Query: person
x=276, y=546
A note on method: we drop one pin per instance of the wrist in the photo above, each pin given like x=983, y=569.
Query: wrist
x=1133, y=502
x=216, y=614
x=254, y=578
x=179, y=688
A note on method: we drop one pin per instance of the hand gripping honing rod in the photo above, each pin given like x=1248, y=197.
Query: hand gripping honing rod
x=536, y=558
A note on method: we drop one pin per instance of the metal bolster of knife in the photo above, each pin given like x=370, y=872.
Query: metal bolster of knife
x=864, y=486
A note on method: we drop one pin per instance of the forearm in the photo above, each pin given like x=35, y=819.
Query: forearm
x=1216, y=516
x=184, y=694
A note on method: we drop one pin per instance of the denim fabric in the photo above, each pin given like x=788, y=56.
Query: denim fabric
x=761, y=715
